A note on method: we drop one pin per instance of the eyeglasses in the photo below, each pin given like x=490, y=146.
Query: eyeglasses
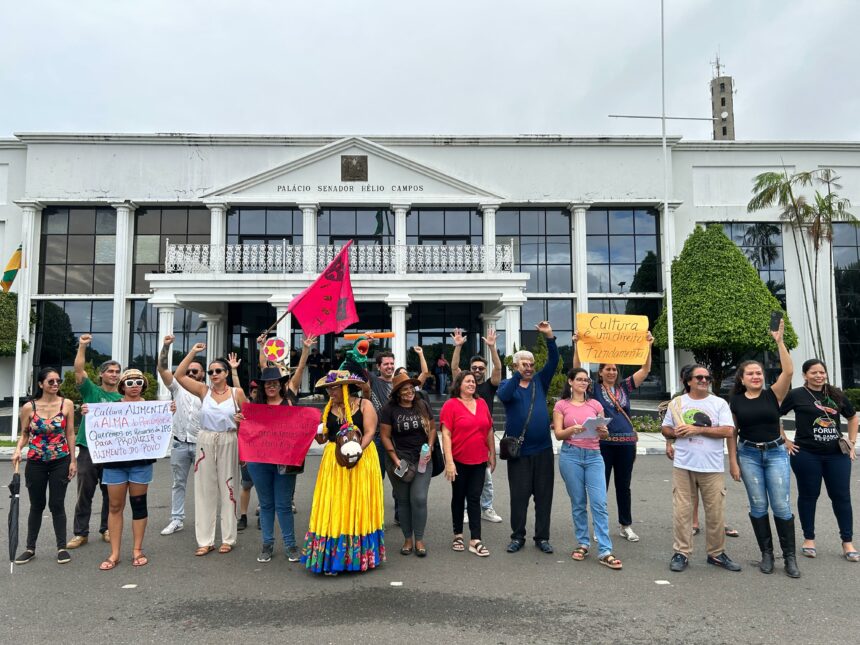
x=582, y=380
x=133, y=382
x=217, y=370
x=704, y=377
x=526, y=364
x=479, y=368
x=52, y=381
x=194, y=372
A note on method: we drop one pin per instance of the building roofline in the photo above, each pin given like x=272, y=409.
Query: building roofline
x=180, y=138
x=852, y=146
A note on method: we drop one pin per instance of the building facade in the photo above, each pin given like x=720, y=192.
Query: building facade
x=131, y=237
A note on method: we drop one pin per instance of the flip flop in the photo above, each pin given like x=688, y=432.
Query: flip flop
x=204, y=550
x=457, y=543
x=140, y=560
x=108, y=564
x=808, y=551
x=730, y=532
x=852, y=556
x=225, y=548
x=579, y=553
x=610, y=561
x=479, y=549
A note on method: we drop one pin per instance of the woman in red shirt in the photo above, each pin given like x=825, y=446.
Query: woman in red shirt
x=469, y=446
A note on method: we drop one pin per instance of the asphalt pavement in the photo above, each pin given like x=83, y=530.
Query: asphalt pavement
x=446, y=597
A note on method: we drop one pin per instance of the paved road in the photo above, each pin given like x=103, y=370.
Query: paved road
x=447, y=597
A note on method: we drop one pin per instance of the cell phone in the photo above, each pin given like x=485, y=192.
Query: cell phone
x=401, y=470
x=775, y=319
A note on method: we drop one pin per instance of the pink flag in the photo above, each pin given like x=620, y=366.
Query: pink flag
x=277, y=434
x=327, y=305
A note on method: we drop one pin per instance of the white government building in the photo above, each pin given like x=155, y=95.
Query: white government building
x=132, y=236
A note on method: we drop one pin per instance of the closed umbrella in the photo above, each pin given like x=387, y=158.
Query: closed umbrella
x=15, y=496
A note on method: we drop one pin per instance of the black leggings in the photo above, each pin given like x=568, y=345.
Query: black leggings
x=466, y=490
x=40, y=477
x=620, y=457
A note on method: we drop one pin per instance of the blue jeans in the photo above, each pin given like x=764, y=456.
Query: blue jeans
x=585, y=478
x=275, y=493
x=181, y=459
x=767, y=477
x=487, y=492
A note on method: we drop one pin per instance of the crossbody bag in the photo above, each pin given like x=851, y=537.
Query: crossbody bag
x=509, y=447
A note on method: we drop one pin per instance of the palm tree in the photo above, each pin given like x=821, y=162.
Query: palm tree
x=762, y=251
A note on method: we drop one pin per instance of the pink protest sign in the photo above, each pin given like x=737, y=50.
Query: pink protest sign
x=277, y=434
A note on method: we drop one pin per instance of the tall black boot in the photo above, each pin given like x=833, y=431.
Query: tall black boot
x=761, y=528
x=785, y=531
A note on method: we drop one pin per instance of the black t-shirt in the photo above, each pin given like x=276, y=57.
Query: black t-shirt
x=816, y=419
x=407, y=429
x=758, y=418
x=487, y=391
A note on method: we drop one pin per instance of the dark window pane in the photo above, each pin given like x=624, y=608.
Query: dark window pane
x=79, y=313
x=139, y=283
x=324, y=222
x=105, y=249
x=558, y=250
x=103, y=278
x=148, y=221
x=646, y=222
x=54, y=251
x=146, y=249
x=173, y=221
x=252, y=222
x=532, y=285
x=558, y=222
x=621, y=277
x=845, y=256
x=476, y=223
x=233, y=223
x=533, y=312
x=647, y=277
x=373, y=222
x=79, y=278
x=432, y=222
x=342, y=222
x=279, y=222
x=533, y=221
x=560, y=314
x=620, y=222
x=645, y=244
x=102, y=315
x=621, y=249
x=457, y=222
x=105, y=221
x=507, y=223
x=82, y=220
x=192, y=239
x=199, y=221
x=56, y=221
x=845, y=234
x=53, y=279
x=82, y=249
x=558, y=279
x=595, y=222
x=101, y=345
x=598, y=278
x=412, y=222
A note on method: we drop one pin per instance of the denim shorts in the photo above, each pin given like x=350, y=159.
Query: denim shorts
x=127, y=475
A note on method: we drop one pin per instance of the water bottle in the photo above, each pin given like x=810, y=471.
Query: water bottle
x=424, y=458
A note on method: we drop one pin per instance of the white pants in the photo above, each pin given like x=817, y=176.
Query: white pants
x=216, y=475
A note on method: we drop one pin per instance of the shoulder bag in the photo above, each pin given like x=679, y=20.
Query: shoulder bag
x=509, y=447
x=618, y=407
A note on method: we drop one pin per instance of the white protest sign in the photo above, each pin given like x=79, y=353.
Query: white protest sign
x=126, y=431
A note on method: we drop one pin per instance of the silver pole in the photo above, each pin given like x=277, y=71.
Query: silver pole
x=668, y=223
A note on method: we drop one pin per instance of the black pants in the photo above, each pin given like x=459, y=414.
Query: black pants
x=466, y=491
x=620, y=457
x=89, y=477
x=835, y=469
x=528, y=477
x=42, y=477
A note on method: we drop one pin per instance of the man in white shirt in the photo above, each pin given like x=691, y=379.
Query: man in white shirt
x=699, y=423
x=186, y=425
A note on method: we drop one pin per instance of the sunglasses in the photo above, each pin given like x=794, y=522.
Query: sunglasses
x=52, y=381
x=217, y=370
x=194, y=372
x=703, y=377
x=133, y=382
x=479, y=368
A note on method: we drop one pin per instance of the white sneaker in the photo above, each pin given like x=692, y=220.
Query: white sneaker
x=173, y=527
x=465, y=517
x=490, y=515
x=627, y=533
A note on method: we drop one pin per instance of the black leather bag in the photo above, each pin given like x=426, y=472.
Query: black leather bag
x=509, y=447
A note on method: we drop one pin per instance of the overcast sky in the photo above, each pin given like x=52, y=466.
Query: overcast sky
x=433, y=67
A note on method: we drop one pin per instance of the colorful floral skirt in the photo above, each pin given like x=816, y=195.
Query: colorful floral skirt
x=346, y=530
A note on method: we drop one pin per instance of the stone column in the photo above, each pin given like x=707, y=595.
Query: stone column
x=215, y=339
x=512, y=306
x=668, y=250
x=579, y=265
x=165, y=327
x=309, y=237
x=122, y=280
x=398, y=303
x=26, y=284
x=400, y=211
x=217, y=234
x=489, y=226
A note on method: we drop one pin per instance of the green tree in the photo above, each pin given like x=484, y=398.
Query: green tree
x=69, y=388
x=811, y=223
x=721, y=306
x=9, y=328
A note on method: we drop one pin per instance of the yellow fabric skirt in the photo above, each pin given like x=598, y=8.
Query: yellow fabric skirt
x=346, y=531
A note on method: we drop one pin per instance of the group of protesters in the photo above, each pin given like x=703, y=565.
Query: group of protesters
x=381, y=424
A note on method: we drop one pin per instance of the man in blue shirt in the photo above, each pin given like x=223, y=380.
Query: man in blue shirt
x=533, y=473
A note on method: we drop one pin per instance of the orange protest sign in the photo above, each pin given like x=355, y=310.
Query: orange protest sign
x=612, y=338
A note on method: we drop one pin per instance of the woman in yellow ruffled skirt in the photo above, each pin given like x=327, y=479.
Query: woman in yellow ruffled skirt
x=346, y=531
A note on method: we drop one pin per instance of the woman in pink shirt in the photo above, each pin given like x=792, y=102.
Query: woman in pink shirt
x=469, y=445
x=581, y=465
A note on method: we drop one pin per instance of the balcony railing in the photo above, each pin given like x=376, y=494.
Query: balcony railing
x=281, y=257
